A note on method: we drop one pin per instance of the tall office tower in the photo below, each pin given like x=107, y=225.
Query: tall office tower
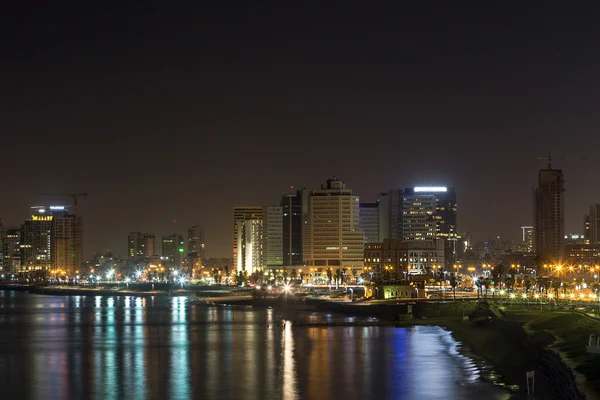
x=196, y=240
x=272, y=230
x=369, y=221
x=250, y=245
x=173, y=249
x=429, y=213
x=241, y=214
x=51, y=238
x=527, y=239
x=548, y=226
x=591, y=227
x=141, y=245
x=384, y=216
x=295, y=211
x=334, y=238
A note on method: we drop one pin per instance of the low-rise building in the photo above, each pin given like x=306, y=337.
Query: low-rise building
x=394, y=257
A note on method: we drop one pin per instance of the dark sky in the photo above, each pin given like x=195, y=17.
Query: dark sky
x=168, y=110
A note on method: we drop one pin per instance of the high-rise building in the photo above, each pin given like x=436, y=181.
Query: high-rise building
x=295, y=214
x=141, y=245
x=591, y=228
x=369, y=221
x=429, y=213
x=11, y=250
x=240, y=214
x=333, y=235
x=173, y=248
x=396, y=198
x=384, y=216
x=51, y=238
x=196, y=240
x=250, y=245
x=527, y=239
x=548, y=227
x=67, y=238
x=272, y=231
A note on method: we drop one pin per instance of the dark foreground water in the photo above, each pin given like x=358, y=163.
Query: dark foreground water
x=78, y=347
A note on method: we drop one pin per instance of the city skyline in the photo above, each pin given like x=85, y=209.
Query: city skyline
x=204, y=110
x=119, y=246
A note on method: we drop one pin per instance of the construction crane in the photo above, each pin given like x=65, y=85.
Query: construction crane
x=549, y=159
x=75, y=197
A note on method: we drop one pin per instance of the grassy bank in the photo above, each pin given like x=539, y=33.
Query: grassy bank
x=571, y=331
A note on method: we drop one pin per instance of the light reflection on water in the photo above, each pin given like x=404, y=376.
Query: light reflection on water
x=154, y=348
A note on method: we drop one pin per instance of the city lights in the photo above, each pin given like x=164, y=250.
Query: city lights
x=431, y=189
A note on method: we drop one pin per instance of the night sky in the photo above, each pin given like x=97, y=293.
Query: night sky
x=167, y=110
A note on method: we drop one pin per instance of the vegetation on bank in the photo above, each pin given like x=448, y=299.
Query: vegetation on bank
x=571, y=331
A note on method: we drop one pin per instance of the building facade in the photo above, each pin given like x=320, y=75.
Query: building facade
x=272, y=232
x=66, y=243
x=196, y=241
x=51, y=239
x=592, y=224
x=369, y=221
x=430, y=214
x=295, y=214
x=526, y=239
x=141, y=245
x=241, y=214
x=548, y=227
x=172, y=250
x=404, y=258
x=11, y=250
x=333, y=235
x=250, y=246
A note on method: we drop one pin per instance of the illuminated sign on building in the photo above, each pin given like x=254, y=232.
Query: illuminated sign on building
x=430, y=189
x=41, y=218
x=58, y=208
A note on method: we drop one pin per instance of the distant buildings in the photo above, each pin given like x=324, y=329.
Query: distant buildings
x=592, y=224
x=196, y=241
x=141, y=245
x=526, y=239
x=332, y=234
x=173, y=248
x=548, y=227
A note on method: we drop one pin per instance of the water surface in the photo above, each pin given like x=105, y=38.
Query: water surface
x=126, y=347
